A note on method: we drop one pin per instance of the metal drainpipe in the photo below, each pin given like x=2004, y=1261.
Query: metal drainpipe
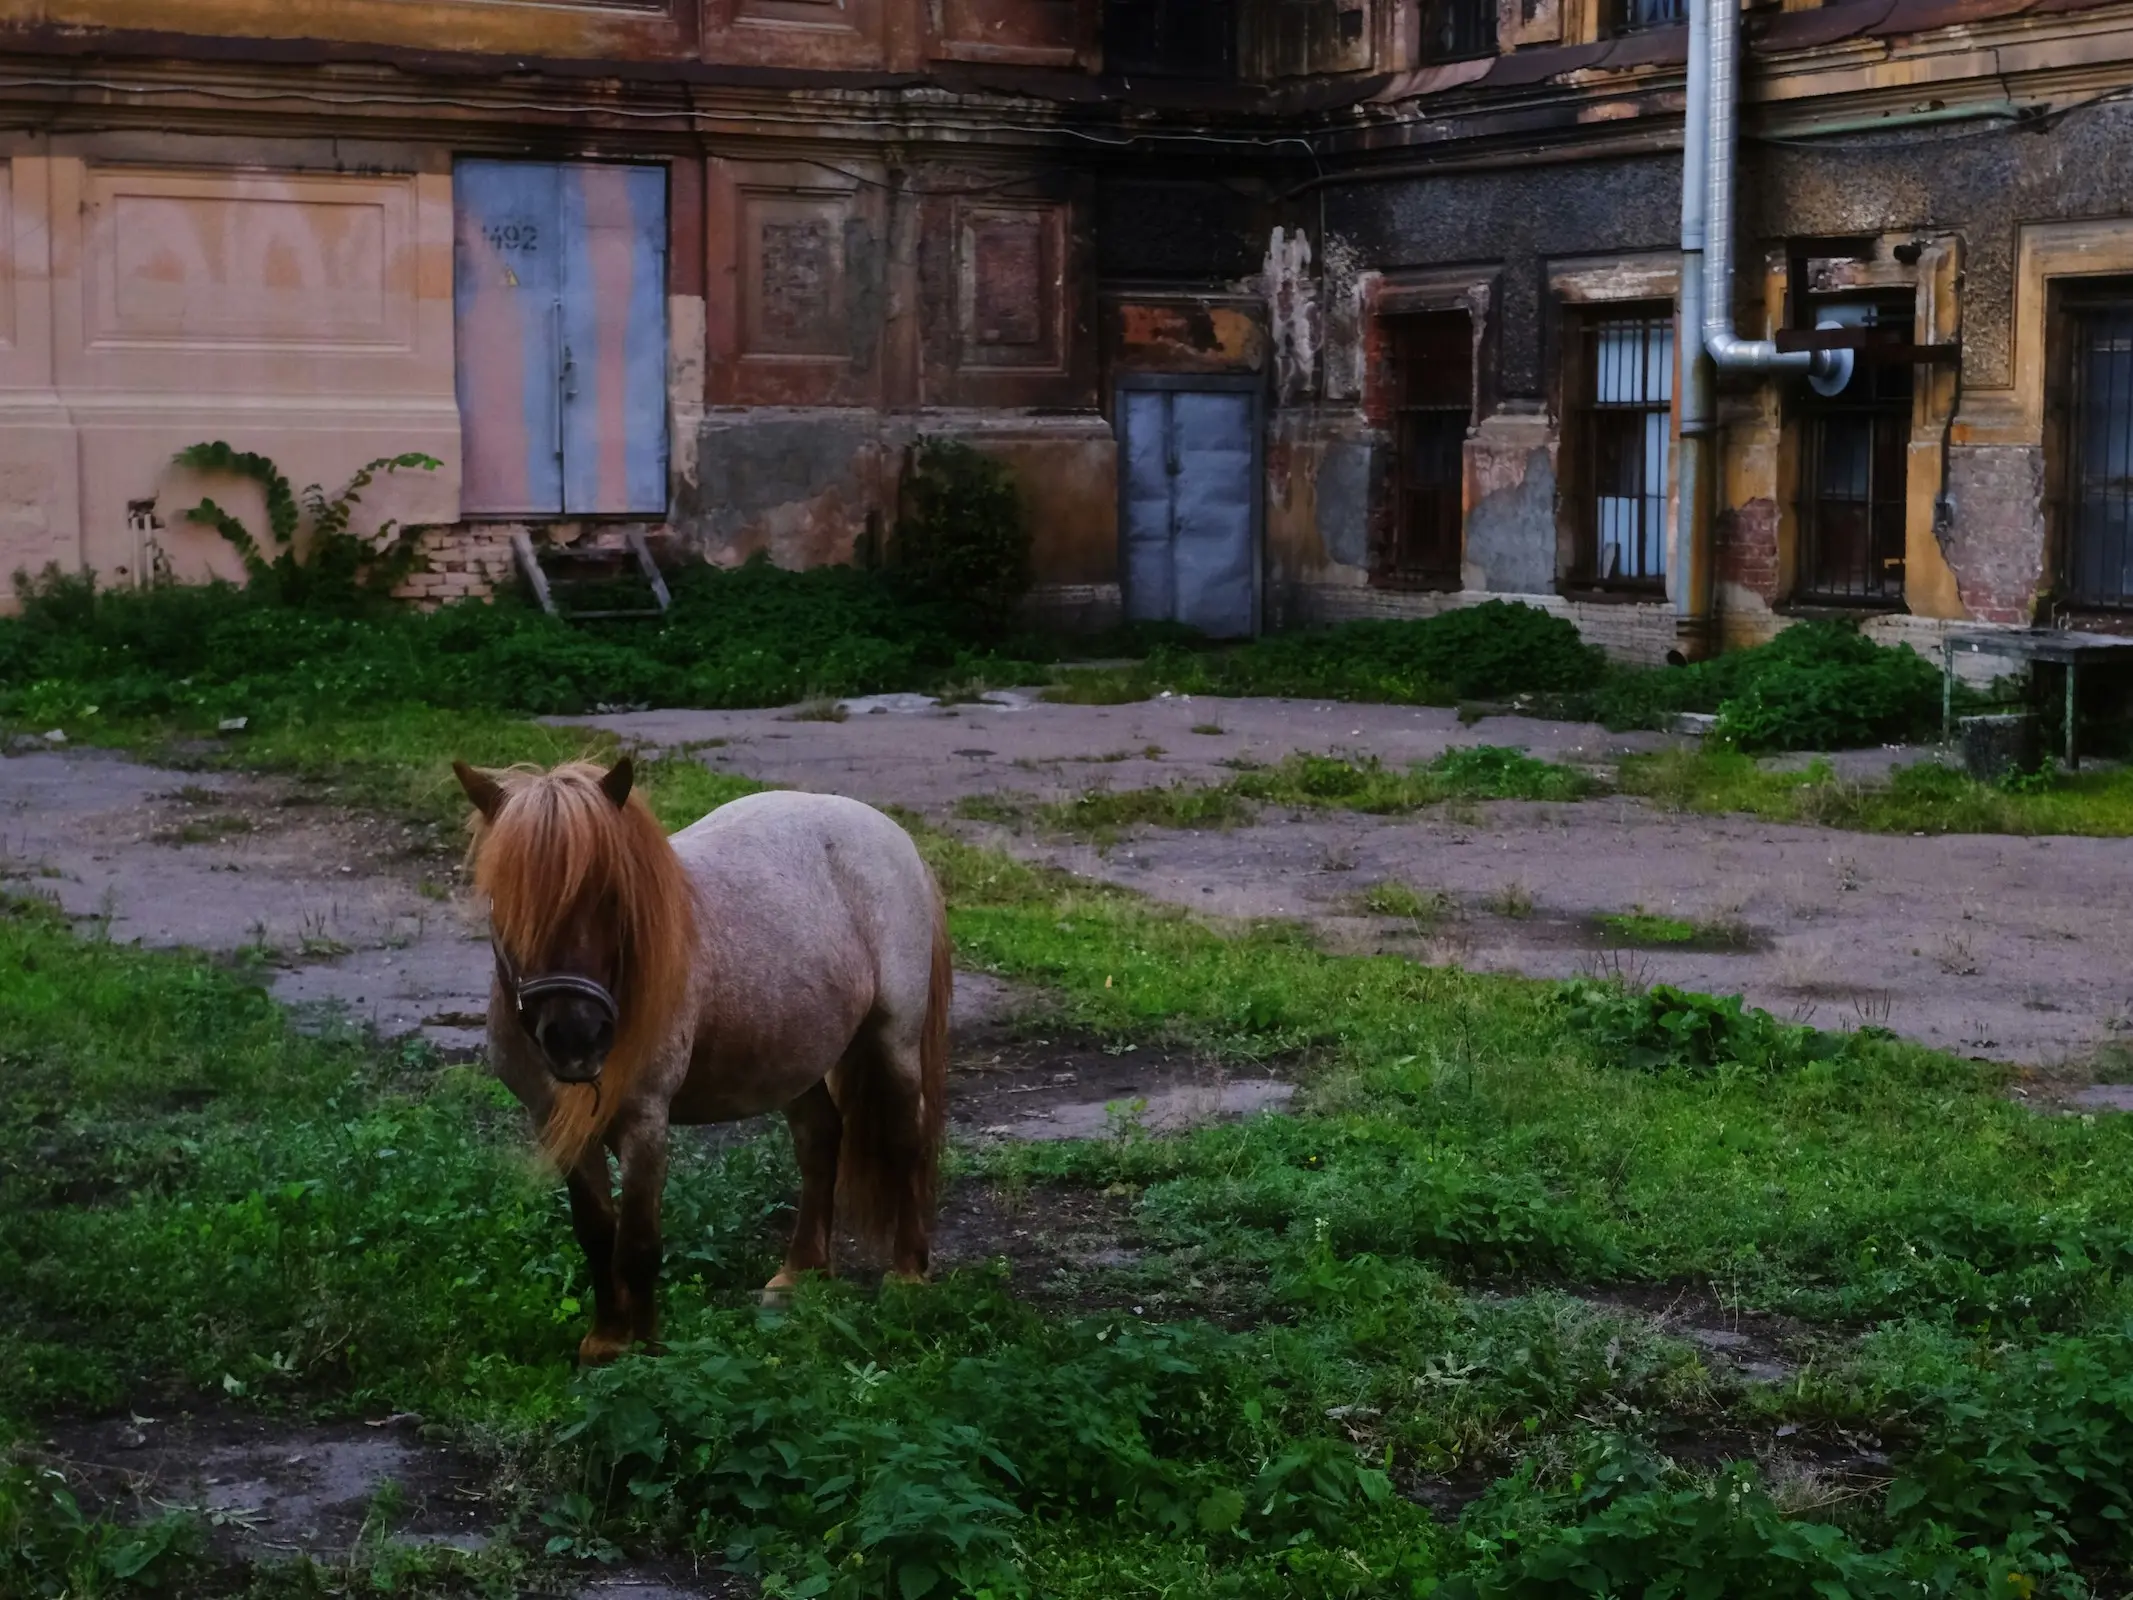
x=1694, y=496
x=1709, y=144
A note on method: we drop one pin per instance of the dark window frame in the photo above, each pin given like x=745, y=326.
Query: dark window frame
x=1186, y=39
x=1849, y=556
x=1430, y=362
x=1635, y=16
x=2081, y=492
x=1458, y=30
x=1607, y=443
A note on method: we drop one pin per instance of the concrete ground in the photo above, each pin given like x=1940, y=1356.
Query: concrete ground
x=2018, y=949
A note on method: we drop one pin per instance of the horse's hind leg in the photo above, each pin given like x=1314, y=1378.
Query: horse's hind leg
x=912, y=1245
x=817, y=1130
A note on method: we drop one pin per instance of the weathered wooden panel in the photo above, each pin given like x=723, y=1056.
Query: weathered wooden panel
x=799, y=33
x=578, y=29
x=797, y=293
x=1054, y=33
x=1012, y=291
x=792, y=274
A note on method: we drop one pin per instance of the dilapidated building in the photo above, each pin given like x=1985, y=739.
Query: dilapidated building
x=1281, y=310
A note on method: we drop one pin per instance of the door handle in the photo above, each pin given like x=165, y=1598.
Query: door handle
x=562, y=358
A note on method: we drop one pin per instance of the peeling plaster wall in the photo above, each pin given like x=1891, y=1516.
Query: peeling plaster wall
x=800, y=485
x=795, y=485
x=1510, y=496
x=1995, y=536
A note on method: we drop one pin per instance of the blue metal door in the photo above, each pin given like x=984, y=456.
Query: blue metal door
x=1189, y=499
x=507, y=285
x=560, y=284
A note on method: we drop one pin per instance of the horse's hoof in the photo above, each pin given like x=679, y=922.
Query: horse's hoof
x=598, y=1349
x=777, y=1293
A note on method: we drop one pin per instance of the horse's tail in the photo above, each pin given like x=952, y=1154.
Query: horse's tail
x=889, y=1162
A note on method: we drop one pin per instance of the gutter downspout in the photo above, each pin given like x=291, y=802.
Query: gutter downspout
x=1696, y=499
x=1709, y=145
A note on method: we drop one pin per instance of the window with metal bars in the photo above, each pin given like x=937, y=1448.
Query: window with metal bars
x=2095, y=443
x=1456, y=30
x=1630, y=15
x=1621, y=420
x=1854, y=467
x=1432, y=381
x=1171, y=38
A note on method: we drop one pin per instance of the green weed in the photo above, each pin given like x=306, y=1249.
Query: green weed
x=1324, y=782
x=1924, y=797
x=1395, y=899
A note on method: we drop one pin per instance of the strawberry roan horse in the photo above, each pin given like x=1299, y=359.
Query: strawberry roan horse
x=788, y=951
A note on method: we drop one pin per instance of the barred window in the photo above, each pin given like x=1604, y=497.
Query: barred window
x=1854, y=465
x=1432, y=374
x=2094, y=428
x=1620, y=417
x=1455, y=30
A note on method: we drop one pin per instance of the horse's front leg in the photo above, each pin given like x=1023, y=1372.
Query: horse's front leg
x=641, y=1148
x=592, y=1219
x=817, y=1130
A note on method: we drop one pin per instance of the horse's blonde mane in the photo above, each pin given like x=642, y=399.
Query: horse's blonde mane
x=559, y=849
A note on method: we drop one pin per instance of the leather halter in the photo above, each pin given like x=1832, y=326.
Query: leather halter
x=525, y=990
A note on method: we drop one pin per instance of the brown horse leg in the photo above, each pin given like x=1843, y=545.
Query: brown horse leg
x=643, y=1154
x=817, y=1130
x=592, y=1219
x=911, y=1247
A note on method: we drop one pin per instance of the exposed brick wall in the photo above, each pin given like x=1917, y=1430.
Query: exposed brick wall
x=1995, y=538
x=463, y=561
x=472, y=560
x=1747, y=548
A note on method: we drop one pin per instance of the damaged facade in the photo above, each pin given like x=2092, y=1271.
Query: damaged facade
x=1281, y=310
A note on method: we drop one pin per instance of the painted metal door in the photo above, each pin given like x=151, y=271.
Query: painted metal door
x=1189, y=498
x=560, y=283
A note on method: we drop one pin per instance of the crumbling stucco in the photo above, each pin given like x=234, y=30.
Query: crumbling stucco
x=1344, y=468
x=1291, y=293
x=1995, y=534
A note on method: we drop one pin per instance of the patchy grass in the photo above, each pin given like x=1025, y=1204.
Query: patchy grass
x=202, y=1198
x=1641, y=929
x=1395, y=899
x=1324, y=782
x=1922, y=798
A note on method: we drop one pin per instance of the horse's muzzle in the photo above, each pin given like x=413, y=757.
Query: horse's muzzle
x=575, y=1037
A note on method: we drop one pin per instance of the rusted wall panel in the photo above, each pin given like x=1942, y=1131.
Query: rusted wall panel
x=806, y=33
x=1006, y=300
x=1186, y=334
x=796, y=296
x=1051, y=33
x=573, y=29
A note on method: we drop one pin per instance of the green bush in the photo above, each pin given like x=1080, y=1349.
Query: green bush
x=1816, y=686
x=752, y=636
x=1496, y=649
x=962, y=537
x=1667, y=1029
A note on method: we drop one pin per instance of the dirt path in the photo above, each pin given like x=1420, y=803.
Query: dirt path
x=2019, y=949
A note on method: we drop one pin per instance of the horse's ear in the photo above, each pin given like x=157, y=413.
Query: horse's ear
x=486, y=793
x=616, y=785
